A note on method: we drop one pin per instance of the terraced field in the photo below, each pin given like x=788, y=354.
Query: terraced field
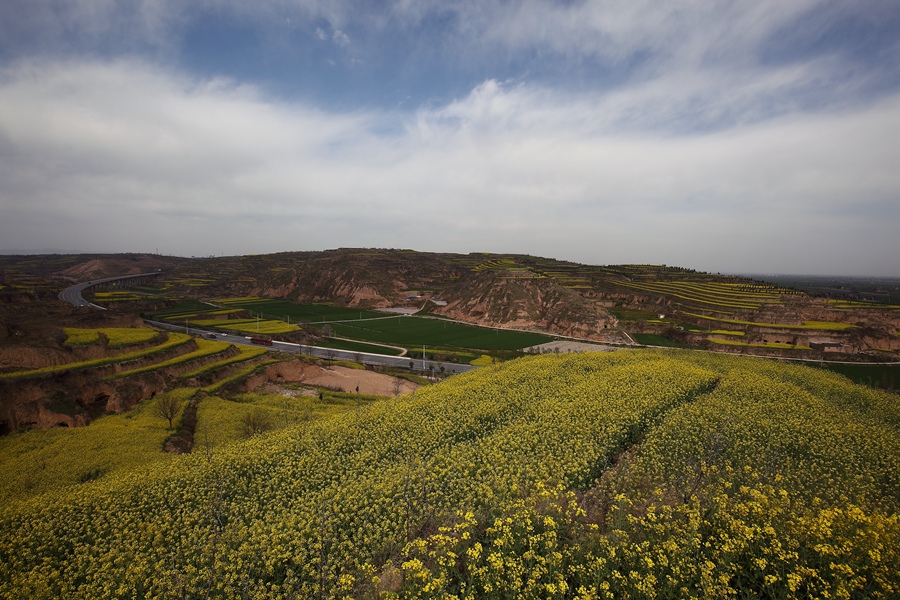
x=570, y=276
x=168, y=342
x=116, y=336
x=204, y=349
x=244, y=353
x=735, y=314
x=721, y=295
x=511, y=289
x=133, y=363
x=805, y=325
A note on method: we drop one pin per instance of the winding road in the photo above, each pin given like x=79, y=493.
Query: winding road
x=72, y=294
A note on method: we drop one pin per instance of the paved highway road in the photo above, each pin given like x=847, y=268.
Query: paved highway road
x=363, y=357
x=72, y=294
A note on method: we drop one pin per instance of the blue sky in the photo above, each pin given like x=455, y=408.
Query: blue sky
x=724, y=136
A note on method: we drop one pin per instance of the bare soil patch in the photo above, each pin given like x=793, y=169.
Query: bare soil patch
x=368, y=382
x=340, y=378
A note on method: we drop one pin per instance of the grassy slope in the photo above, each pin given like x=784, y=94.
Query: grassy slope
x=38, y=461
x=220, y=421
x=413, y=332
x=632, y=474
x=353, y=346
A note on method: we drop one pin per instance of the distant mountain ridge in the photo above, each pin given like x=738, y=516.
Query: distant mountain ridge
x=38, y=251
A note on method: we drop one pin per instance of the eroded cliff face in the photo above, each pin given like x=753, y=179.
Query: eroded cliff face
x=358, y=278
x=527, y=303
x=30, y=357
x=349, y=283
x=70, y=400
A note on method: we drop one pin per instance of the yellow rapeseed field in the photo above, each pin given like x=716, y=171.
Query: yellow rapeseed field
x=39, y=461
x=117, y=336
x=267, y=326
x=634, y=474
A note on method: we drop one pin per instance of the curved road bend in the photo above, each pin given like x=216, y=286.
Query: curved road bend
x=72, y=294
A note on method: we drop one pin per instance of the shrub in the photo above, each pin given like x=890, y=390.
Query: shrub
x=256, y=422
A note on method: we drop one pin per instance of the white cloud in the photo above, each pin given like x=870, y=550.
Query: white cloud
x=121, y=156
x=340, y=38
